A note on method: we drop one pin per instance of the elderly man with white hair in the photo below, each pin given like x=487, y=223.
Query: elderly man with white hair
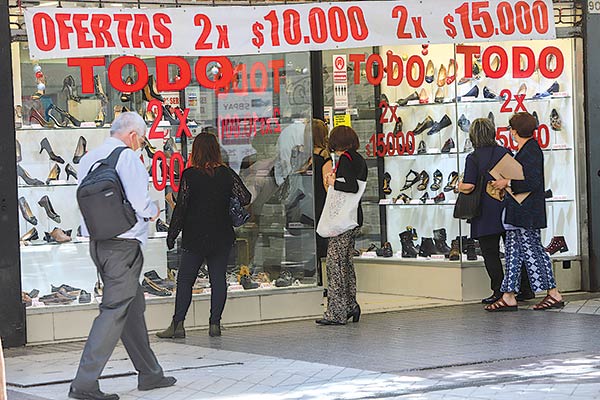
x=119, y=262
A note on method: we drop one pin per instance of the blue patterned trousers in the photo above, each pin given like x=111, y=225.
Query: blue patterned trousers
x=524, y=246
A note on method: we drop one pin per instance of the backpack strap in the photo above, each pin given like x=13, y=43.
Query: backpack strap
x=111, y=160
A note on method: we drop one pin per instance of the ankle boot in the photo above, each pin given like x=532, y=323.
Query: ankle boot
x=471, y=255
x=46, y=205
x=558, y=243
x=439, y=237
x=454, y=251
x=26, y=211
x=45, y=145
x=214, y=330
x=427, y=247
x=174, y=331
x=408, y=247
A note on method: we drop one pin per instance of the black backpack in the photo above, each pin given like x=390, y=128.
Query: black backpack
x=102, y=200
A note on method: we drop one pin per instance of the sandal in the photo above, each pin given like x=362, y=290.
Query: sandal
x=549, y=302
x=499, y=306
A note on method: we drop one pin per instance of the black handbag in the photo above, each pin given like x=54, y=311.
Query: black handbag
x=239, y=215
x=469, y=205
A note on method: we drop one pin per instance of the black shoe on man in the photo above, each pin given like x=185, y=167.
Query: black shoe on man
x=92, y=395
x=164, y=382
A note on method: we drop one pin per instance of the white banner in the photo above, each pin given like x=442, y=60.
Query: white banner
x=229, y=30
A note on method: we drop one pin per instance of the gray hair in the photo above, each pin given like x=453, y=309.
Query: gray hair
x=482, y=133
x=127, y=122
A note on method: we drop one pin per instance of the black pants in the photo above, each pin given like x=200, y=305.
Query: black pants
x=216, y=260
x=490, y=249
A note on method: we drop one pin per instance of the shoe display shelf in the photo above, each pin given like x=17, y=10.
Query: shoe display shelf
x=419, y=187
x=49, y=211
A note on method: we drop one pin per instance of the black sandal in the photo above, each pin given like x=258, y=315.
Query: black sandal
x=499, y=306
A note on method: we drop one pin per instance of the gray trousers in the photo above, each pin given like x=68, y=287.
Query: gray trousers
x=119, y=263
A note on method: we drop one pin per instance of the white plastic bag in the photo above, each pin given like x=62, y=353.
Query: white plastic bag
x=340, y=212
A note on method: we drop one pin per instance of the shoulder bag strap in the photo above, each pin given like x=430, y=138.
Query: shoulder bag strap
x=111, y=160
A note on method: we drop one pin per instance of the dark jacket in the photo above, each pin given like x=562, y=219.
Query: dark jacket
x=531, y=214
x=352, y=167
x=489, y=222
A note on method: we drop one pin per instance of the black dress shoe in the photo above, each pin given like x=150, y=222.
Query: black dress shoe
x=441, y=124
x=492, y=299
x=93, y=395
x=164, y=382
x=525, y=296
x=324, y=321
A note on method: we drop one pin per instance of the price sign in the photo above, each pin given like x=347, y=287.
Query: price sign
x=54, y=32
x=594, y=7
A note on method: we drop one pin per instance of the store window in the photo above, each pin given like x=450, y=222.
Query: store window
x=262, y=122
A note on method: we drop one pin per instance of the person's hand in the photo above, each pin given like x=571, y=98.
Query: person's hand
x=156, y=216
x=500, y=184
x=330, y=179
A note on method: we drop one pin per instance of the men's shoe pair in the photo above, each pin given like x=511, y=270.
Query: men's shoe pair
x=97, y=394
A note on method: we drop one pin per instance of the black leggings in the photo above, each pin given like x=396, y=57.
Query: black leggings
x=191, y=262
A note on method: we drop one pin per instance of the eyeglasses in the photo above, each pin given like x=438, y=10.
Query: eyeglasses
x=508, y=127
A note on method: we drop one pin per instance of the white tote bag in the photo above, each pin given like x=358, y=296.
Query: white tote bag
x=340, y=212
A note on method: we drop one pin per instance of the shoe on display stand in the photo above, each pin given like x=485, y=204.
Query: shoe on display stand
x=439, y=239
x=471, y=254
x=558, y=243
x=424, y=198
x=463, y=123
x=18, y=152
x=26, y=211
x=385, y=251
x=398, y=126
x=427, y=247
x=85, y=297
x=412, y=96
x=422, y=148
x=424, y=177
x=54, y=174
x=154, y=289
x=440, y=198
x=441, y=124
x=70, y=171
x=80, y=150
x=285, y=279
x=126, y=96
x=537, y=120
x=57, y=235
x=387, y=178
x=401, y=197
x=452, y=181
x=30, y=235
x=150, y=91
x=437, y=180
x=468, y=147
x=44, y=202
x=555, y=121
x=449, y=145
x=454, y=254
x=45, y=145
x=441, y=80
x=71, y=89
x=439, y=96
x=451, y=74
x=473, y=92
x=429, y=72
x=27, y=178
x=411, y=178
x=421, y=126
x=423, y=96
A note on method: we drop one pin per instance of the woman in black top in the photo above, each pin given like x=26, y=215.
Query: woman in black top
x=341, y=278
x=322, y=166
x=487, y=227
x=202, y=213
x=523, y=222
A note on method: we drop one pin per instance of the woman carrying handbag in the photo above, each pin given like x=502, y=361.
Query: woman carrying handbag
x=341, y=221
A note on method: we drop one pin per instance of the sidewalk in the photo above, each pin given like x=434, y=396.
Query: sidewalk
x=455, y=352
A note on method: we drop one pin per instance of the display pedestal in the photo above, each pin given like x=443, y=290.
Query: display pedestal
x=444, y=279
x=68, y=323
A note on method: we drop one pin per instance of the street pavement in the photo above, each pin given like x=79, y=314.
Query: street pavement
x=454, y=352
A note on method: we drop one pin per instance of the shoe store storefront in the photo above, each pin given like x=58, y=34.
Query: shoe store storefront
x=409, y=78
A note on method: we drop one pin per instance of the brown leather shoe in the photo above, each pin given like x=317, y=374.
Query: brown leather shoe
x=59, y=235
x=441, y=81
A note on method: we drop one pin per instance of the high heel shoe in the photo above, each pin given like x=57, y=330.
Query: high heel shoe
x=452, y=181
x=26, y=211
x=70, y=171
x=99, y=91
x=429, y=72
x=150, y=150
x=126, y=96
x=411, y=178
x=30, y=235
x=423, y=97
x=69, y=86
x=150, y=92
x=80, y=150
x=169, y=147
x=45, y=145
x=387, y=178
x=36, y=117
x=169, y=116
x=18, y=152
x=99, y=121
x=451, y=75
x=27, y=178
x=424, y=177
x=437, y=180
x=46, y=205
x=64, y=116
x=54, y=174
x=354, y=314
x=441, y=81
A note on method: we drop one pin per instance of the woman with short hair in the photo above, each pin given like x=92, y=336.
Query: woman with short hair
x=341, y=278
x=487, y=227
x=524, y=221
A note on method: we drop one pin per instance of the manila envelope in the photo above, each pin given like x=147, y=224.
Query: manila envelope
x=509, y=168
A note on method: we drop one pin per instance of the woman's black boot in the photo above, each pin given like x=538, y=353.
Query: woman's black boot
x=214, y=330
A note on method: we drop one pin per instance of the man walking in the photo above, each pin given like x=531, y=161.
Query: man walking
x=119, y=262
